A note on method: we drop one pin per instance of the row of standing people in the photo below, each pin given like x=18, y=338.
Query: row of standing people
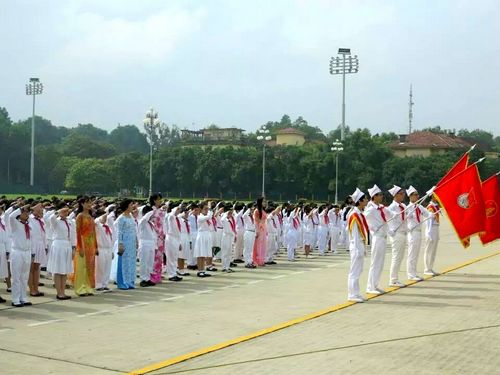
x=372, y=225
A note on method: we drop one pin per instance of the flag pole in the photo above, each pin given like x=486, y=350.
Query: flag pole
x=472, y=148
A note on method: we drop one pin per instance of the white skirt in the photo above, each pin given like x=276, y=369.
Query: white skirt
x=60, y=258
x=203, y=244
x=40, y=253
x=308, y=238
x=185, y=252
x=3, y=262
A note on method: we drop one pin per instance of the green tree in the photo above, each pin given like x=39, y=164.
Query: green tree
x=128, y=138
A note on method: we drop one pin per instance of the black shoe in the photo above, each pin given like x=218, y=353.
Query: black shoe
x=183, y=273
x=250, y=266
x=106, y=289
x=239, y=261
x=39, y=294
x=229, y=270
x=100, y=290
x=9, y=290
x=193, y=268
x=41, y=284
x=64, y=298
x=212, y=269
x=203, y=274
x=144, y=283
x=2, y=300
x=175, y=278
x=271, y=262
x=17, y=304
x=232, y=264
x=151, y=283
x=43, y=269
x=27, y=303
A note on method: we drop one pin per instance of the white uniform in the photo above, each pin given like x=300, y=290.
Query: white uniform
x=292, y=235
x=323, y=222
x=335, y=227
x=376, y=217
x=308, y=231
x=203, y=243
x=20, y=257
x=272, y=237
x=148, y=240
x=415, y=215
x=248, y=237
x=4, y=248
x=397, y=236
x=186, y=252
x=240, y=233
x=64, y=238
x=172, y=229
x=432, y=238
x=193, y=227
x=104, y=236
x=357, y=249
x=228, y=238
x=38, y=240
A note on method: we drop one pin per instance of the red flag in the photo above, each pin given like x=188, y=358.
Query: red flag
x=459, y=166
x=491, y=196
x=462, y=198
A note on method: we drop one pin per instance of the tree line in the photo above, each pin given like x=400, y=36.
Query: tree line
x=86, y=159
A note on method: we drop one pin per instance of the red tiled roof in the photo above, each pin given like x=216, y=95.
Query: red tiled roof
x=290, y=131
x=427, y=139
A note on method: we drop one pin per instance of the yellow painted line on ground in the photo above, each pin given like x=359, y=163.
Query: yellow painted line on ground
x=277, y=327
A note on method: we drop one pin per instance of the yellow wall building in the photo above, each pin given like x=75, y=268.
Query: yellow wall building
x=290, y=137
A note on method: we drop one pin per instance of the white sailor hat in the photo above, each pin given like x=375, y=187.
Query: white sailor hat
x=394, y=190
x=374, y=190
x=111, y=207
x=411, y=190
x=356, y=196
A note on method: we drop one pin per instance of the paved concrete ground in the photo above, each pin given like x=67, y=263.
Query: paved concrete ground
x=123, y=331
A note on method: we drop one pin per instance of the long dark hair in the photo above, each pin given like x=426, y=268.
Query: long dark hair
x=260, y=206
x=81, y=201
x=124, y=205
x=154, y=197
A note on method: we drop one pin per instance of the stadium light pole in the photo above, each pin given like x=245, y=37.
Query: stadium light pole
x=33, y=88
x=337, y=147
x=346, y=64
x=151, y=122
x=263, y=135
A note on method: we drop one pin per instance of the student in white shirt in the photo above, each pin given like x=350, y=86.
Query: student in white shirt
x=60, y=262
x=39, y=248
x=21, y=254
x=228, y=238
x=105, y=241
x=147, y=246
x=4, y=246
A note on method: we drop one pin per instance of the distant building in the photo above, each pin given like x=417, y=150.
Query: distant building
x=290, y=137
x=213, y=135
x=426, y=143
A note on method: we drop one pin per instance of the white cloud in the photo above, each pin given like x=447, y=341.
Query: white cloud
x=102, y=45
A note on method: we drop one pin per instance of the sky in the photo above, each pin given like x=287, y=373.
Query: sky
x=241, y=63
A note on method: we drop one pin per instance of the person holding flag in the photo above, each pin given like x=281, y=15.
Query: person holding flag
x=359, y=238
x=432, y=237
x=397, y=233
x=416, y=215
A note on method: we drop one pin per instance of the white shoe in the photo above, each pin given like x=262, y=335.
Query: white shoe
x=356, y=299
x=377, y=292
x=429, y=273
x=382, y=291
x=435, y=273
x=398, y=284
x=415, y=278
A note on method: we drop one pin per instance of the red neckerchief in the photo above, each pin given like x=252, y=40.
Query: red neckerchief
x=42, y=225
x=402, y=209
x=187, y=226
x=178, y=223
x=295, y=223
x=108, y=231
x=27, y=230
x=67, y=225
x=381, y=209
x=233, y=224
x=1, y=224
x=327, y=220
x=280, y=219
x=214, y=223
x=417, y=211
x=274, y=223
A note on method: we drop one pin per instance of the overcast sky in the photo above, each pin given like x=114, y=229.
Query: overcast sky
x=242, y=63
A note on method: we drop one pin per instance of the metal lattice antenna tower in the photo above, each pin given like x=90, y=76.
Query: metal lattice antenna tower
x=410, y=113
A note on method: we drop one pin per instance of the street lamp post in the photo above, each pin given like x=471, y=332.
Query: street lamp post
x=346, y=64
x=151, y=122
x=263, y=135
x=33, y=88
x=337, y=147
